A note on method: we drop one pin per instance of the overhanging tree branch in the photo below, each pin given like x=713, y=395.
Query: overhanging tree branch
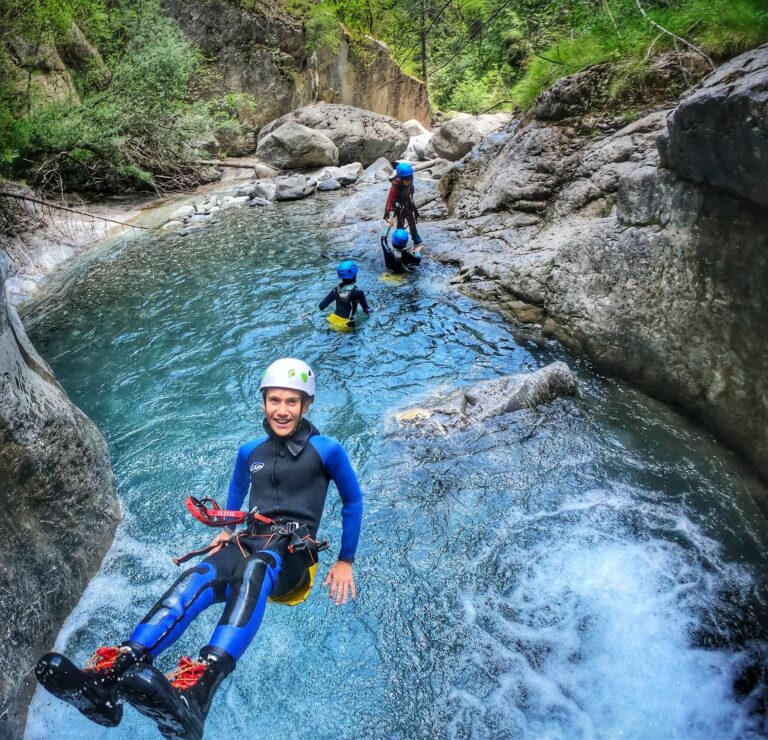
x=673, y=35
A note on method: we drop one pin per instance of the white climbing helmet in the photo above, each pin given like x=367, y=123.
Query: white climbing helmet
x=290, y=373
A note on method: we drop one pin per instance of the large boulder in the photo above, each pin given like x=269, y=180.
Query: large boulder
x=296, y=147
x=456, y=137
x=360, y=135
x=718, y=135
x=58, y=492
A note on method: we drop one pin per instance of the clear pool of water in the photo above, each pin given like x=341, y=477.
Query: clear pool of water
x=592, y=570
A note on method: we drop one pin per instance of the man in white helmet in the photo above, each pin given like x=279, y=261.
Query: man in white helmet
x=286, y=473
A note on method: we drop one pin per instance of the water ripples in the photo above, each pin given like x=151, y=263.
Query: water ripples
x=591, y=570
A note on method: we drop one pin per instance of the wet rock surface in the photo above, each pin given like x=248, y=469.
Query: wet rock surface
x=58, y=492
x=656, y=278
x=490, y=399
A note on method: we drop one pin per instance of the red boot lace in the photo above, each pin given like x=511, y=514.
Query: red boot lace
x=187, y=674
x=103, y=659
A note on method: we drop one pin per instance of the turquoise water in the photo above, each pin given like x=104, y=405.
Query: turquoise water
x=596, y=569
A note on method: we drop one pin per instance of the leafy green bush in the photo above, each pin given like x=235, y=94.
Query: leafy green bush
x=627, y=38
x=137, y=131
x=321, y=25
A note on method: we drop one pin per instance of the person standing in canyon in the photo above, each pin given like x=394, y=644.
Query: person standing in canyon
x=400, y=202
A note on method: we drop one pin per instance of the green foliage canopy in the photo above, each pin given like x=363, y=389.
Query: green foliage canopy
x=483, y=52
x=135, y=129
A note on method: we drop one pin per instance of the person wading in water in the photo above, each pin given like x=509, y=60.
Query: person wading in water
x=347, y=296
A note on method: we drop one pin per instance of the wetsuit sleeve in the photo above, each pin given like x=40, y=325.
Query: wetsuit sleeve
x=328, y=300
x=241, y=478
x=390, y=200
x=340, y=470
x=363, y=302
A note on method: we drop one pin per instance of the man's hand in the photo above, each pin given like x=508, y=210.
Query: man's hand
x=342, y=582
x=389, y=220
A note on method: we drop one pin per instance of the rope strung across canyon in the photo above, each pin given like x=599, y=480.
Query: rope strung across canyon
x=70, y=210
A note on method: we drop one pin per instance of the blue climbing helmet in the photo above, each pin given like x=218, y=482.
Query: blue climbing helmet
x=403, y=169
x=400, y=238
x=346, y=270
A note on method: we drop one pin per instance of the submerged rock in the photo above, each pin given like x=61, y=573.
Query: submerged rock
x=490, y=399
x=183, y=212
x=172, y=226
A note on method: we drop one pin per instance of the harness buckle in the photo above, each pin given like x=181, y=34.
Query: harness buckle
x=285, y=527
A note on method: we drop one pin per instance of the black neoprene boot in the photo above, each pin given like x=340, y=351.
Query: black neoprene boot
x=179, y=702
x=91, y=690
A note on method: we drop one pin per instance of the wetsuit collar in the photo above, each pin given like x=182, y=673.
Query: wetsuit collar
x=298, y=440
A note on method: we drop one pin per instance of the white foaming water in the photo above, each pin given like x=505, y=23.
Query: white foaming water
x=595, y=640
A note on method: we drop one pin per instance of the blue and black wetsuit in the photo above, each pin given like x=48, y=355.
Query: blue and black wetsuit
x=348, y=297
x=288, y=480
x=397, y=260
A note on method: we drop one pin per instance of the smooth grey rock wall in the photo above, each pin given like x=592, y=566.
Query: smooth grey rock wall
x=60, y=511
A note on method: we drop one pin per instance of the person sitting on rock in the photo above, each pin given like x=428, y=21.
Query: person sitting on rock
x=287, y=472
x=347, y=296
x=398, y=258
x=400, y=201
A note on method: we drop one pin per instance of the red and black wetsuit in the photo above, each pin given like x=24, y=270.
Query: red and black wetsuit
x=400, y=200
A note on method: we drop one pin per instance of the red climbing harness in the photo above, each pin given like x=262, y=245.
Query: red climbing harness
x=208, y=512
x=213, y=516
